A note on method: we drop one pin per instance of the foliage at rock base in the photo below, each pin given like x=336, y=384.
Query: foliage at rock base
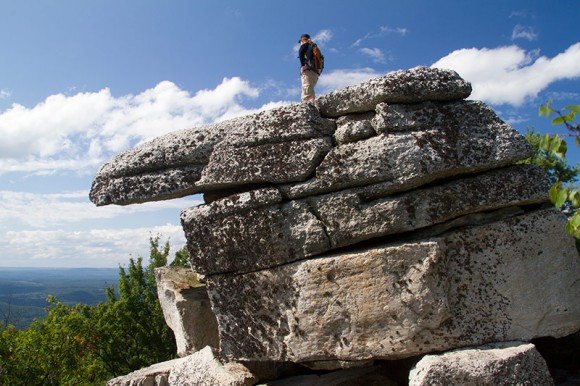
x=82, y=345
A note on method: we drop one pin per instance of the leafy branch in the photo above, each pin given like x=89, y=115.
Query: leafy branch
x=551, y=153
x=565, y=116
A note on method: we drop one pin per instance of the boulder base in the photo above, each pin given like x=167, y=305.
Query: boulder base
x=509, y=363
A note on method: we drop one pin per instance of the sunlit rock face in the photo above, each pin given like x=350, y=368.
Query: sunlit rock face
x=389, y=221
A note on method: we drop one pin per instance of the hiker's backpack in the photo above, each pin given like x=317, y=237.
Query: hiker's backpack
x=317, y=59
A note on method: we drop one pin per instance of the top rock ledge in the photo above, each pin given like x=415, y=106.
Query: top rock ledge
x=298, y=136
x=416, y=85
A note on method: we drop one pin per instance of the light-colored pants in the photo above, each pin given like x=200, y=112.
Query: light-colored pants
x=309, y=79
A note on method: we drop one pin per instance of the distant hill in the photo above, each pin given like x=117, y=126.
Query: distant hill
x=23, y=291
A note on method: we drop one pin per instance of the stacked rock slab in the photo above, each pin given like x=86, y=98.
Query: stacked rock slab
x=387, y=222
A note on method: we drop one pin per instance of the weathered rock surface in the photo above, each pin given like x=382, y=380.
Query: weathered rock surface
x=205, y=368
x=202, y=368
x=171, y=166
x=388, y=223
x=277, y=146
x=467, y=287
x=408, y=159
x=186, y=309
x=232, y=235
x=155, y=375
x=509, y=363
x=417, y=85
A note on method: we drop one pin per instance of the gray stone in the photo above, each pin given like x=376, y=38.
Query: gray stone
x=404, y=160
x=186, y=308
x=352, y=128
x=253, y=238
x=509, y=363
x=349, y=218
x=467, y=287
x=155, y=375
x=430, y=115
x=233, y=166
x=205, y=368
x=133, y=189
x=408, y=86
x=202, y=368
x=388, y=223
x=171, y=165
x=247, y=237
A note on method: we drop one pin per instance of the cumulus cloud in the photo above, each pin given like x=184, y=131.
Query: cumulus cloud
x=38, y=210
x=510, y=75
x=337, y=79
x=51, y=229
x=522, y=32
x=375, y=54
x=91, y=248
x=81, y=131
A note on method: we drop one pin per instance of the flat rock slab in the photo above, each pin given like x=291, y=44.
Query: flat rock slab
x=234, y=166
x=465, y=288
x=466, y=137
x=257, y=230
x=409, y=86
x=282, y=145
x=171, y=165
x=202, y=368
x=508, y=363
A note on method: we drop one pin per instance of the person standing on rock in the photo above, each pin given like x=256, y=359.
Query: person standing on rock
x=308, y=75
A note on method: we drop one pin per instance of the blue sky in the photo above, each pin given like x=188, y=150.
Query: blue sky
x=81, y=81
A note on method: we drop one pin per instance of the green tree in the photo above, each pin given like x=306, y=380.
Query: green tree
x=86, y=345
x=56, y=350
x=181, y=258
x=551, y=154
x=133, y=320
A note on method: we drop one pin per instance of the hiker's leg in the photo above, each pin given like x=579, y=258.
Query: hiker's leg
x=309, y=79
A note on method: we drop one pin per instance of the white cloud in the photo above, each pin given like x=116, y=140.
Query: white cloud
x=81, y=131
x=4, y=94
x=510, y=75
x=340, y=78
x=60, y=229
x=521, y=32
x=92, y=248
x=42, y=211
x=375, y=54
x=397, y=30
x=323, y=36
x=383, y=31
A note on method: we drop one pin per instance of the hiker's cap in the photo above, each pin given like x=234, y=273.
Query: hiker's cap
x=304, y=36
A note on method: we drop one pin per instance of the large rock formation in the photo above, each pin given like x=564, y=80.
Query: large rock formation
x=388, y=222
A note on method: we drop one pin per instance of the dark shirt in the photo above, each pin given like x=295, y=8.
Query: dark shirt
x=303, y=55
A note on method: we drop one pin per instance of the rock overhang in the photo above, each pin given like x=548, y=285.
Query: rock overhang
x=180, y=163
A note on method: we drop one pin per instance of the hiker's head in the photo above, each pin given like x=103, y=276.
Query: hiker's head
x=305, y=38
